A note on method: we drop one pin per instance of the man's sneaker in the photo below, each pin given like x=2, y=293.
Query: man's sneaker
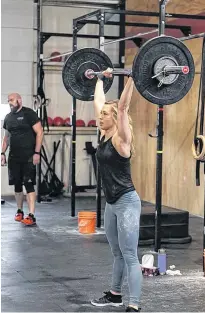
x=108, y=300
x=29, y=220
x=130, y=309
x=19, y=215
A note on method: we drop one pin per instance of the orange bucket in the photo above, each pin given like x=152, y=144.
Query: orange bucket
x=86, y=222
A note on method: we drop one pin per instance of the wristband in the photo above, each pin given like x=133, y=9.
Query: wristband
x=37, y=153
x=130, y=74
x=3, y=153
x=101, y=76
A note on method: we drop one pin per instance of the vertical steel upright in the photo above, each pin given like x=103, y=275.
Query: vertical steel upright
x=39, y=69
x=203, y=254
x=201, y=132
x=121, y=47
x=160, y=134
x=101, y=20
x=73, y=142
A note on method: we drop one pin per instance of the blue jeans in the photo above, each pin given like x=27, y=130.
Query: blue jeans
x=122, y=222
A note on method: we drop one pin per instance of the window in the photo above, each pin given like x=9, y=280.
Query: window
x=4, y=109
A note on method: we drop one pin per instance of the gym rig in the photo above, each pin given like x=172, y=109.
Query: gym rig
x=102, y=17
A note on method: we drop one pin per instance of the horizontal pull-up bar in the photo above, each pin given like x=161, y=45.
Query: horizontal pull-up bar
x=128, y=38
x=156, y=14
x=133, y=24
x=192, y=37
x=151, y=32
x=105, y=43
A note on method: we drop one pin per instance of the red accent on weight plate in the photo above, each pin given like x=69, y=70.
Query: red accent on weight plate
x=185, y=69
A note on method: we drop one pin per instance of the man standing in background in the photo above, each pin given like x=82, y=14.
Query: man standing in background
x=24, y=136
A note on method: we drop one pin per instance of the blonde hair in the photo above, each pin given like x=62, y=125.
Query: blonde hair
x=114, y=104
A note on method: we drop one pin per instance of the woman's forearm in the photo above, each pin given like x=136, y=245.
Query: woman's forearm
x=99, y=98
x=99, y=95
x=126, y=95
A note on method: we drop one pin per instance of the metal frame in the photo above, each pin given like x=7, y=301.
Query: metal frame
x=98, y=191
x=186, y=30
x=156, y=14
x=39, y=69
x=99, y=17
x=42, y=37
x=82, y=4
x=47, y=35
x=121, y=47
x=159, y=152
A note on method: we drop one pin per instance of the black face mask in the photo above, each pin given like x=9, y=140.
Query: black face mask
x=13, y=108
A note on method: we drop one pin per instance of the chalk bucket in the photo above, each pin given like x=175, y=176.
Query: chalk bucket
x=86, y=222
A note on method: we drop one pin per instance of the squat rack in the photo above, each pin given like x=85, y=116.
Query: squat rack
x=102, y=17
x=42, y=37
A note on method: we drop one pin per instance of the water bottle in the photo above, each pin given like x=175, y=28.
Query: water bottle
x=162, y=261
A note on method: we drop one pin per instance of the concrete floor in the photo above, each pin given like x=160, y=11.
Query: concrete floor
x=53, y=268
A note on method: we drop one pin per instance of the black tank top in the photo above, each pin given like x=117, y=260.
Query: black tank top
x=115, y=171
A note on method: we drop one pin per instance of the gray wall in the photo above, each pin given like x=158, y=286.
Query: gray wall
x=17, y=48
x=19, y=73
x=58, y=19
x=17, y=57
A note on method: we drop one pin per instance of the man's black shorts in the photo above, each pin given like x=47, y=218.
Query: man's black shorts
x=21, y=172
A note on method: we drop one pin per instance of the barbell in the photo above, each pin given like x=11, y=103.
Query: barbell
x=163, y=71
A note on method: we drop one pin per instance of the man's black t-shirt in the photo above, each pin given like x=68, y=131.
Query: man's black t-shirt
x=22, y=138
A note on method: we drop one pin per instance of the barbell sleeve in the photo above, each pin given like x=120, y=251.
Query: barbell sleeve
x=116, y=72
x=173, y=70
x=176, y=70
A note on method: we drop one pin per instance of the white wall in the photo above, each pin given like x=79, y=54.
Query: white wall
x=16, y=57
x=58, y=19
x=19, y=73
x=17, y=48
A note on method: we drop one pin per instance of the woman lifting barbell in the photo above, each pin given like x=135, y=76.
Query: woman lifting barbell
x=123, y=205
